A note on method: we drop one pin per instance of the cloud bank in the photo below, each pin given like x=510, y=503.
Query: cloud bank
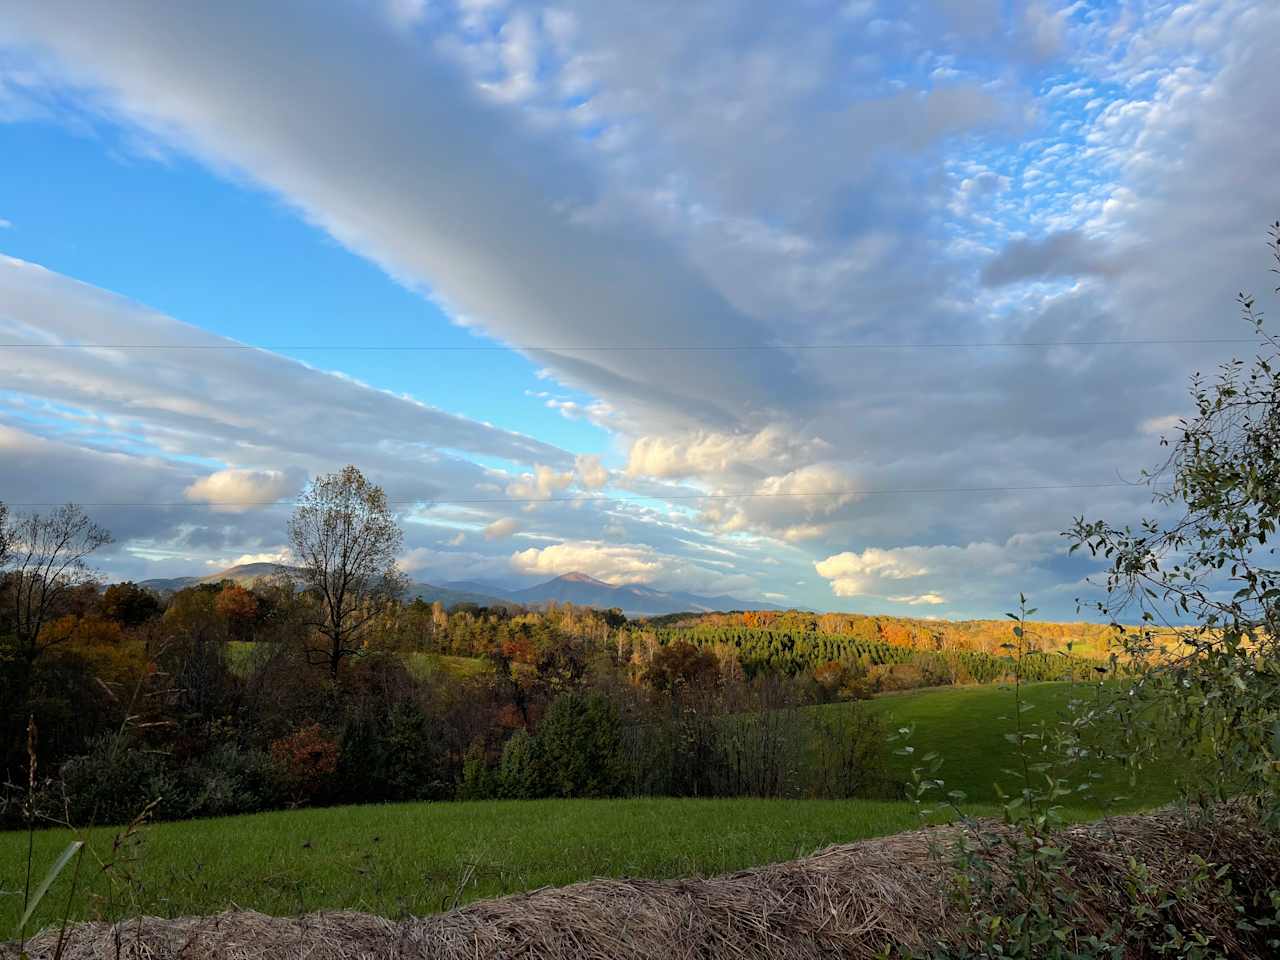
x=807, y=202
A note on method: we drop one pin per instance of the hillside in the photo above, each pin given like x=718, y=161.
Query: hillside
x=423, y=856
x=967, y=727
x=983, y=636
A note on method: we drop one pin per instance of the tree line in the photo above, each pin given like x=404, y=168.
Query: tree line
x=325, y=685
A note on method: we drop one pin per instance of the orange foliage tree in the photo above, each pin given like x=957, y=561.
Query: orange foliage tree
x=239, y=608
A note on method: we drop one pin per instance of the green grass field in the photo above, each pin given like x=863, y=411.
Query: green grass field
x=426, y=664
x=420, y=858
x=967, y=727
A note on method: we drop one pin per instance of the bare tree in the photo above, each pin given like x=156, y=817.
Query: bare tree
x=47, y=560
x=345, y=539
x=4, y=536
x=42, y=562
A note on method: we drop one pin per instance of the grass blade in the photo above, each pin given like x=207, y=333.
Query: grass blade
x=72, y=849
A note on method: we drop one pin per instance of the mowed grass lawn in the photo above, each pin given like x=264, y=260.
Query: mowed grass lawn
x=421, y=857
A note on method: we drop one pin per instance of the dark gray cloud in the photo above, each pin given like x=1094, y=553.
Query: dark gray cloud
x=1067, y=253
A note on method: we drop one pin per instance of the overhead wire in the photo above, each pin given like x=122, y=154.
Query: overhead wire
x=657, y=496
x=639, y=348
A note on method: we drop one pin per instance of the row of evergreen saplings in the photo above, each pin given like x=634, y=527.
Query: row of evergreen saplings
x=761, y=649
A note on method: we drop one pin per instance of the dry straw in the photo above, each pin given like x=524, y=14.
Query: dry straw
x=850, y=901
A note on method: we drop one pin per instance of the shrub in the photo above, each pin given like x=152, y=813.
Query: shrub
x=230, y=779
x=479, y=782
x=889, y=677
x=115, y=780
x=306, y=761
x=523, y=772
x=848, y=754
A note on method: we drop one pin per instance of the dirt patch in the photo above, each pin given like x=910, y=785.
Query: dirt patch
x=849, y=901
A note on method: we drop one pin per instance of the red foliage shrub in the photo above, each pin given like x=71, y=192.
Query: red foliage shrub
x=306, y=760
x=510, y=718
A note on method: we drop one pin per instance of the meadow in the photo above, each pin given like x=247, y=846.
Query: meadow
x=967, y=727
x=424, y=857
x=420, y=858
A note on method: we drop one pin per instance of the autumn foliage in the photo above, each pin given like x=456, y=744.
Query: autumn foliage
x=306, y=760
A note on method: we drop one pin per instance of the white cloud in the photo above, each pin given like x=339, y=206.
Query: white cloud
x=281, y=555
x=638, y=217
x=220, y=394
x=613, y=563
x=542, y=484
x=406, y=14
x=1044, y=29
x=702, y=454
x=852, y=574
x=935, y=575
x=165, y=410
x=918, y=599
x=628, y=564
x=500, y=231
x=235, y=491
x=591, y=474
x=5, y=224
x=1158, y=426
x=501, y=529
x=794, y=507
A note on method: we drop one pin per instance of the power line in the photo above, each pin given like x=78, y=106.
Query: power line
x=463, y=501
x=641, y=348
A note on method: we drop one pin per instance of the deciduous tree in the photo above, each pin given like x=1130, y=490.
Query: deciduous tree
x=239, y=607
x=1208, y=575
x=129, y=604
x=44, y=563
x=345, y=539
x=47, y=561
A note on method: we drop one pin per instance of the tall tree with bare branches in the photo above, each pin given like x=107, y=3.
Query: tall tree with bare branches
x=47, y=560
x=345, y=539
x=4, y=536
x=43, y=560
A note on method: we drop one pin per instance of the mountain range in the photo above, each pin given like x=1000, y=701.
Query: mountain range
x=576, y=588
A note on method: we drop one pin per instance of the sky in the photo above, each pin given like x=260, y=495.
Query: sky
x=828, y=304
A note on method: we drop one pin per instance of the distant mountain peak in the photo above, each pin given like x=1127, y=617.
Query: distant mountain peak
x=637, y=599
x=576, y=577
x=257, y=568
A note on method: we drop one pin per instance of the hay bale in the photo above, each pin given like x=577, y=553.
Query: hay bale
x=847, y=901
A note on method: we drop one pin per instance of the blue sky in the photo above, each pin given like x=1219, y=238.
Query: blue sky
x=538, y=183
